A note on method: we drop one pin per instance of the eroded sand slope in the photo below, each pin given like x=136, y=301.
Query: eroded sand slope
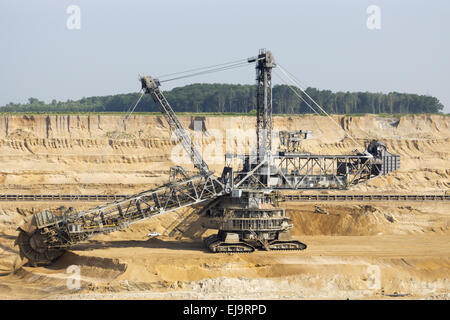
x=404, y=244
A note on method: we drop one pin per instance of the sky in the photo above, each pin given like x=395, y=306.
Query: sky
x=326, y=44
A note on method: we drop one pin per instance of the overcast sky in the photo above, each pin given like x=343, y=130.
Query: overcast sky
x=326, y=44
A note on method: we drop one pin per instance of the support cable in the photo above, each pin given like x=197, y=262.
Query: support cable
x=296, y=93
x=201, y=68
x=132, y=110
x=295, y=82
x=237, y=65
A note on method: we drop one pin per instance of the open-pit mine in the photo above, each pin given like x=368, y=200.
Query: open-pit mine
x=357, y=247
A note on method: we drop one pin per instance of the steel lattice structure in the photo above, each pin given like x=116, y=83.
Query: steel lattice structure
x=244, y=211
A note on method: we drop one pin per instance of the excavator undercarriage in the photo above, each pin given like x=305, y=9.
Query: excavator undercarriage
x=250, y=222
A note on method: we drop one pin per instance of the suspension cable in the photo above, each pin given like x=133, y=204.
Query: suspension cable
x=305, y=86
x=298, y=80
x=293, y=80
x=237, y=65
x=201, y=68
x=132, y=110
x=295, y=92
x=129, y=111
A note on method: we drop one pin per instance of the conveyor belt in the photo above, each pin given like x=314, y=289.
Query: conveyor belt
x=61, y=197
x=365, y=197
x=287, y=197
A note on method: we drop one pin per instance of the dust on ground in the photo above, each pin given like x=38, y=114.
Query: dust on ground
x=362, y=250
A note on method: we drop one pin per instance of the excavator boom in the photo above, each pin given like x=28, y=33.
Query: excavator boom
x=151, y=86
x=43, y=236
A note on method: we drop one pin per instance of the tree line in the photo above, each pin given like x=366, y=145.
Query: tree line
x=235, y=98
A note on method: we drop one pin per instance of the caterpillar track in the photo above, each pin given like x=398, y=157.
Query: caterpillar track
x=286, y=245
x=215, y=244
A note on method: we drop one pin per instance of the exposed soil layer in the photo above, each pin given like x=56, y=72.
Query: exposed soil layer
x=355, y=249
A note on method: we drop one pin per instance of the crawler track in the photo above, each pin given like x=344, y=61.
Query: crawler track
x=286, y=245
x=216, y=245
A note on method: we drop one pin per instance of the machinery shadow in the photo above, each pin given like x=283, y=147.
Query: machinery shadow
x=188, y=233
x=191, y=224
x=153, y=243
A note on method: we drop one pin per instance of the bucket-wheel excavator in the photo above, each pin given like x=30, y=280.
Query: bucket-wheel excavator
x=241, y=203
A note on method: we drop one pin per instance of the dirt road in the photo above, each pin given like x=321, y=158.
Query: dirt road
x=332, y=267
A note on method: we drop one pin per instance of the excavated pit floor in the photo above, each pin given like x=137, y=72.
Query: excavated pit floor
x=376, y=250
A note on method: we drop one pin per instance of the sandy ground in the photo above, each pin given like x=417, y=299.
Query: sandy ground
x=379, y=250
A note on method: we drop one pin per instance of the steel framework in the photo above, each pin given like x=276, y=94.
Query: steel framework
x=246, y=216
